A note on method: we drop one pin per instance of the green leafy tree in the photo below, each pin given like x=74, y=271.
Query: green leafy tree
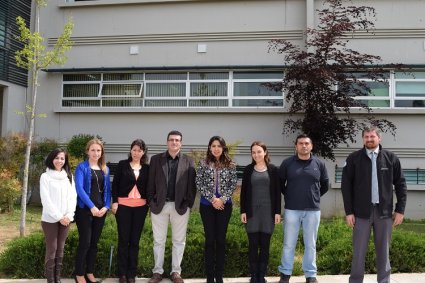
x=34, y=57
x=323, y=78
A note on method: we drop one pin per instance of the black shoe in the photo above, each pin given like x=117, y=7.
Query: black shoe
x=311, y=280
x=88, y=280
x=284, y=278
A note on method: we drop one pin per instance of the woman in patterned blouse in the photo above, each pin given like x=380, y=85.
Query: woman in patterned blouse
x=216, y=181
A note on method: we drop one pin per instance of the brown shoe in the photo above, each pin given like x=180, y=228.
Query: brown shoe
x=122, y=279
x=176, y=278
x=131, y=280
x=156, y=278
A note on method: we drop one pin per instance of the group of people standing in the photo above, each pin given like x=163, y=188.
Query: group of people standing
x=167, y=185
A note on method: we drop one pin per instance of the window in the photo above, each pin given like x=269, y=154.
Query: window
x=2, y=28
x=250, y=89
x=171, y=90
x=410, y=90
x=379, y=94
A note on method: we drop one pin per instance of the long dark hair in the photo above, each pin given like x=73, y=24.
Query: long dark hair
x=52, y=155
x=140, y=143
x=224, y=159
x=264, y=147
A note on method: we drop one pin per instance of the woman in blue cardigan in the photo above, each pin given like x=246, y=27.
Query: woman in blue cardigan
x=94, y=199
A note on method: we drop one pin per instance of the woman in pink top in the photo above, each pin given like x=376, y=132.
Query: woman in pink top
x=130, y=208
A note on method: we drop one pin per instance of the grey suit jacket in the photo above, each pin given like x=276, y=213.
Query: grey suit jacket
x=157, y=184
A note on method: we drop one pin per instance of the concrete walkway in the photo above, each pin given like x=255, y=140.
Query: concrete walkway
x=370, y=278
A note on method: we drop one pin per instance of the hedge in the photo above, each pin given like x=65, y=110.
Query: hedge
x=24, y=257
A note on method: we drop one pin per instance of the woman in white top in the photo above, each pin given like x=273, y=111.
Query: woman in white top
x=59, y=199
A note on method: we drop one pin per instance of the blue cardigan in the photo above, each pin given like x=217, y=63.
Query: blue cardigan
x=83, y=185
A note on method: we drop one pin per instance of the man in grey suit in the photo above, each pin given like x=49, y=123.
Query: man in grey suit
x=171, y=193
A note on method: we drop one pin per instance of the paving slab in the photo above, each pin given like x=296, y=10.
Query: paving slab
x=369, y=278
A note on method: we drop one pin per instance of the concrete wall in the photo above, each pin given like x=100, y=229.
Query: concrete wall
x=13, y=99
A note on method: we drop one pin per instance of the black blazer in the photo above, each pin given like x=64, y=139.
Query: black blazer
x=246, y=190
x=124, y=180
x=185, y=183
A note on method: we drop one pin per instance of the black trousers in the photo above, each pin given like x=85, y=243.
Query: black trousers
x=89, y=231
x=258, y=252
x=130, y=222
x=215, y=227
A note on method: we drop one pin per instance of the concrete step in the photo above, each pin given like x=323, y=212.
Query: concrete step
x=369, y=278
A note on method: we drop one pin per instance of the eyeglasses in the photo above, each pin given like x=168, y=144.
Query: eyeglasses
x=174, y=140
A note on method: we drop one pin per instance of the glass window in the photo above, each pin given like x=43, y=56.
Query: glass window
x=254, y=89
x=123, y=77
x=81, y=90
x=166, y=76
x=165, y=90
x=122, y=103
x=81, y=103
x=257, y=102
x=258, y=75
x=410, y=103
x=412, y=89
x=2, y=28
x=208, y=103
x=165, y=103
x=208, y=76
x=81, y=77
x=376, y=103
x=376, y=89
x=208, y=89
x=409, y=75
x=121, y=89
x=173, y=89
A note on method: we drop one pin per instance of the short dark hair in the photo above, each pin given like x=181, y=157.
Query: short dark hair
x=52, y=155
x=175, y=133
x=372, y=129
x=140, y=143
x=303, y=136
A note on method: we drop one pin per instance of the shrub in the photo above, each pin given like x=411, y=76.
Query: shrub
x=12, y=156
x=407, y=252
x=24, y=257
x=12, y=150
x=10, y=190
x=77, y=145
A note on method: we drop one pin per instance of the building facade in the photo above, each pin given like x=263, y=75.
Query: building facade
x=140, y=68
x=13, y=80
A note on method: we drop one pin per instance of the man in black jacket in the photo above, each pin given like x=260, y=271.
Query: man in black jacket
x=368, y=179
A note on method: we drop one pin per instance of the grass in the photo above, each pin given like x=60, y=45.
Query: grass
x=414, y=226
x=10, y=222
